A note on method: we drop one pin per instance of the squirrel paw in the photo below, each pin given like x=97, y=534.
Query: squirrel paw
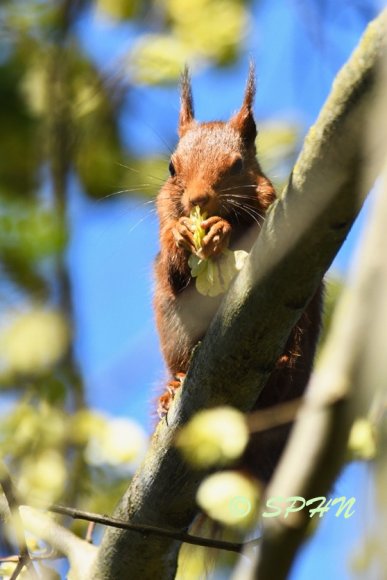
x=183, y=234
x=166, y=398
x=217, y=238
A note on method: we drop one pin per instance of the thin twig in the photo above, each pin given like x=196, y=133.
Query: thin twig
x=79, y=553
x=19, y=567
x=51, y=555
x=147, y=529
x=13, y=504
x=273, y=416
x=90, y=532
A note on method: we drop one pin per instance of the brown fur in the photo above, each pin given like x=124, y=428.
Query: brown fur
x=215, y=166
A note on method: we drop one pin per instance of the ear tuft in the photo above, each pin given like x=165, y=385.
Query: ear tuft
x=250, y=87
x=186, y=116
x=243, y=120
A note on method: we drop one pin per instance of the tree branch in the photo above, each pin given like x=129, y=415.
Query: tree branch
x=13, y=505
x=300, y=237
x=146, y=530
x=346, y=384
x=342, y=387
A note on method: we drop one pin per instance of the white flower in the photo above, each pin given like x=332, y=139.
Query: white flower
x=214, y=275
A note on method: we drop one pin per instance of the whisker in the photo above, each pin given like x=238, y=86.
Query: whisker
x=141, y=187
x=237, y=187
x=156, y=177
x=121, y=191
x=250, y=211
x=242, y=201
x=159, y=136
x=132, y=214
x=223, y=205
x=239, y=196
x=249, y=206
x=140, y=221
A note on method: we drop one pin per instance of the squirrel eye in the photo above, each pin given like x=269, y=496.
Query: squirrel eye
x=172, y=169
x=237, y=166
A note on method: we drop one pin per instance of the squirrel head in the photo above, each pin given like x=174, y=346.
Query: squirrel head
x=215, y=160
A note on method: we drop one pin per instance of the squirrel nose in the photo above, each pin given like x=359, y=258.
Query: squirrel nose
x=201, y=200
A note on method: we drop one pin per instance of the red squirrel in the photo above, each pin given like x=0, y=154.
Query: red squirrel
x=215, y=167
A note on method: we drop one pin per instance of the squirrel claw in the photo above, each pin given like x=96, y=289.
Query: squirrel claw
x=167, y=397
x=217, y=237
x=183, y=235
x=163, y=406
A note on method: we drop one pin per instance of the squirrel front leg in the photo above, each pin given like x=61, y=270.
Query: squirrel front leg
x=183, y=234
x=172, y=270
x=172, y=277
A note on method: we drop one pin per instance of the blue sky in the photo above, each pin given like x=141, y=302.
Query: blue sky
x=298, y=48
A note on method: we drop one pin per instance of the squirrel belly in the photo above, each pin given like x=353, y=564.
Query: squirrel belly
x=214, y=168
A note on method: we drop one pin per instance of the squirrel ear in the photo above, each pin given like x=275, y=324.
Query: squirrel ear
x=243, y=120
x=186, y=116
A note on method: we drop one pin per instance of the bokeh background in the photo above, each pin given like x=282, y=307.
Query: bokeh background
x=88, y=112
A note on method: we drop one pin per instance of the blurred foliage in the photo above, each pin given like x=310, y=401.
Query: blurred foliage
x=58, y=115
x=362, y=440
x=36, y=437
x=231, y=498
x=122, y=9
x=187, y=34
x=198, y=562
x=278, y=144
x=333, y=287
x=60, y=118
x=214, y=437
x=32, y=343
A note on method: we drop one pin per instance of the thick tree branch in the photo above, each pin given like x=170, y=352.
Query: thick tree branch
x=299, y=239
x=342, y=387
x=347, y=383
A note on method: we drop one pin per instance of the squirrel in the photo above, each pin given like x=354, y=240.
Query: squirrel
x=215, y=167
